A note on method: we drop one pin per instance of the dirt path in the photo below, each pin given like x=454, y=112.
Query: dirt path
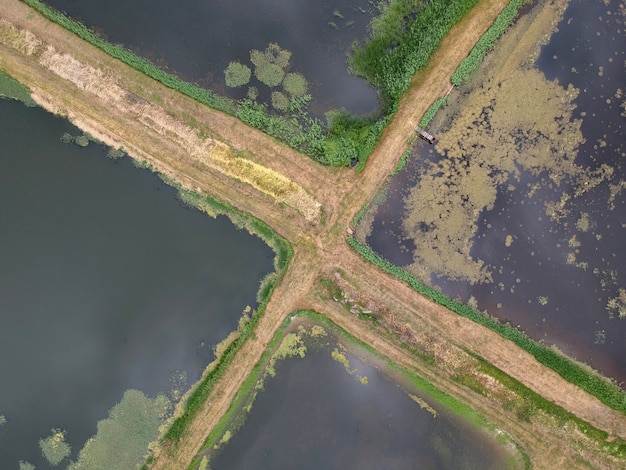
x=319, y=248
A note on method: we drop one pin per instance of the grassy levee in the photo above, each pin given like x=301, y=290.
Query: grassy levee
x=284, y=253
x=487, y=41
x=435, y=394
x=404, y=37
x=600, y=387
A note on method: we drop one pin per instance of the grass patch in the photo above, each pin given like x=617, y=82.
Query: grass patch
x=12, y=89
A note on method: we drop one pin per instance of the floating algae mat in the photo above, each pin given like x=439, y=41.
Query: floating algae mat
x=520, y=208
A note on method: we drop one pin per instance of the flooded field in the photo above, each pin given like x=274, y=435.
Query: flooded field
x=199, y=40
x=519, y=209
x=326, y=403
x=110, y=291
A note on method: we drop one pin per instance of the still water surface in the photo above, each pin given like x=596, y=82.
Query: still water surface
x=316, y=413
x=106, y=283
x=197, y=40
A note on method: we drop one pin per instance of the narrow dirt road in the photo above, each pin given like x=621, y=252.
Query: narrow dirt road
x=319, y=248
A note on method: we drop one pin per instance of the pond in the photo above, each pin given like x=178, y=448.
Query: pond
x=197, y=41
x=519, y=210
x=107, y=283
x=330, y=404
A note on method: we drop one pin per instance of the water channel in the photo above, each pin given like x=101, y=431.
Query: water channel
x=332, y=405
x=198, y=39
x=107, y=283
x=520, y=209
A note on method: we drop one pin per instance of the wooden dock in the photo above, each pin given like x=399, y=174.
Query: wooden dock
x=425, y=135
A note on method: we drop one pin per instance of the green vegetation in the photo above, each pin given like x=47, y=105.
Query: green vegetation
x=430, y=112
x=12, y=89
x=290, y=344
x=403, y=37
x=26, y=465
x=281, y=247
x=295, y=84
x=237, y=74
x=122, y=439
x=3, y=420
x=486, y=42
x=54, y=448
x=605, y=390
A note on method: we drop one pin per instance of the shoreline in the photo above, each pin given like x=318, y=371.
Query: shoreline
x=319, y=248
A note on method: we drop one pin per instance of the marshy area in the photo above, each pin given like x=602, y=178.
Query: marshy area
x=518, y=210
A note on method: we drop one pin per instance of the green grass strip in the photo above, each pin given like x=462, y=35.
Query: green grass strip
x=487, y=41
x=12, y=89
x=602, y=388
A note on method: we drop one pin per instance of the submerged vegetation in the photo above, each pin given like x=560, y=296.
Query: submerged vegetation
x=54, y=448
x=122, y=439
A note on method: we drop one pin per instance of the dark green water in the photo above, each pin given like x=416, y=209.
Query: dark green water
x=198, y=38
x=106, y=283
x=315, y=415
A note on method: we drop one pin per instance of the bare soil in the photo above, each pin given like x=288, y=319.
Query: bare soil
x=319, y=246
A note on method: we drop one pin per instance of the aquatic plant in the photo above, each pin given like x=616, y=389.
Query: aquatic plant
x=269, y=74
x=280, y=100
x=295, y=84
x=54, y=448
x=605, y=390
x=24, y=465
x=3, y=420
x=122, y=439
x=273, y=54
x=11, y=88
x=237, y=74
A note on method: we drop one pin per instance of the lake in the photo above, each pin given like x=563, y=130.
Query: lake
x=107, y=283
x=519, y=210
x=338, y=407
x=197, y=41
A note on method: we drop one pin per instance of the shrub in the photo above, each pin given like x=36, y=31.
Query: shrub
x=237, y=74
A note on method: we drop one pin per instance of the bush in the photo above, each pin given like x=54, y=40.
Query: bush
x=237, y=74
x=54, y=448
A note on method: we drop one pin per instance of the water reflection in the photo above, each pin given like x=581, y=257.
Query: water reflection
x=333, y=409
x=106, y=284
x=555, y=252
x=199, y=39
